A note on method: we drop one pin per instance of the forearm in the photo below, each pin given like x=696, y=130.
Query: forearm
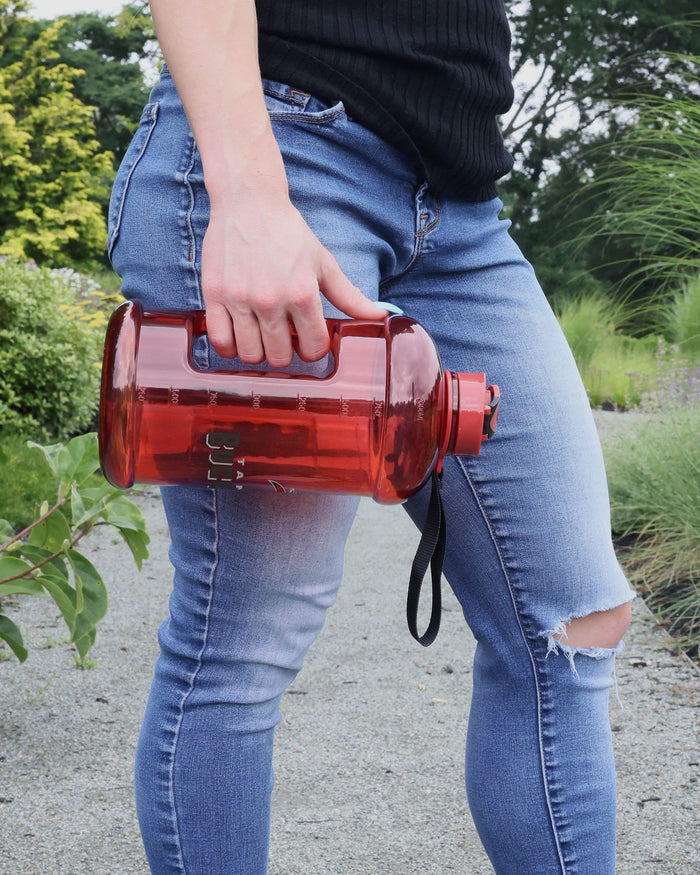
x=211, y=48
x=262, y=266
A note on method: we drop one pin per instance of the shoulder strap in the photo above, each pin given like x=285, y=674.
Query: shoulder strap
x=431, y=551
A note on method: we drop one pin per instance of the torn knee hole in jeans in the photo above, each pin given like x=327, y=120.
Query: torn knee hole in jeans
x=597, y=635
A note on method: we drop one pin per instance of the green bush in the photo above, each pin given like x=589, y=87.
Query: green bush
x=24, y=479
x=51, y=334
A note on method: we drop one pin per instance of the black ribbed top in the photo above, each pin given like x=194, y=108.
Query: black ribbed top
x=430, y=76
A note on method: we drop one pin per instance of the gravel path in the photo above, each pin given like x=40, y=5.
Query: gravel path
x=369, y=758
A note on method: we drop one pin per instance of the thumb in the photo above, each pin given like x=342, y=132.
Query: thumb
x=343, y=294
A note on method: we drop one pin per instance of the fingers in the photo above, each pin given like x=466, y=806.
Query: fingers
x=220, y=330
x=343, y=294
x=256, y=293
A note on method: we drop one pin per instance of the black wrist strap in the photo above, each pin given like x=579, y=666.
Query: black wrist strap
x=431, y=551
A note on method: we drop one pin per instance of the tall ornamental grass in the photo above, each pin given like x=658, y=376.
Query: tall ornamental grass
x=682, y=318
x=616, y=369
x=654, y=479
x=652, y=183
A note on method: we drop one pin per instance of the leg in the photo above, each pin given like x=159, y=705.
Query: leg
x=241, y=620
x=529, y=553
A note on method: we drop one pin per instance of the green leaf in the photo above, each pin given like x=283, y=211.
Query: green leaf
x=85, y=642
x=34, y=553
x=23, y=586
x=94, y=500
x=6, y=531
x=61, y=592
x=123, y=514
x=78, y=459
x=77, y=506
x=91, y=595
x=136, y=541
x=10, y=566
x=103, y=489
x=50, y=454
x=10, y=633
x=51, y=533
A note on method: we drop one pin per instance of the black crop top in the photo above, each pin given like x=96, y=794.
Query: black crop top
x=430, y=76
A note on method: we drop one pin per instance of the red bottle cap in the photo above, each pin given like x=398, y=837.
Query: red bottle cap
x=472, y=409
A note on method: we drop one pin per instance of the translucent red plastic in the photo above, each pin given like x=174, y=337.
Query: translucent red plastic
x=377, y=425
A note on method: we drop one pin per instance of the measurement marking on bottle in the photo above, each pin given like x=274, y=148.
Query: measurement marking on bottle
x=420, y=409
x=378, y=409
x=256, y=400
x=174, y=395
x=141, y=393
x=344, y=406
x=213, y=398
x=301, y=403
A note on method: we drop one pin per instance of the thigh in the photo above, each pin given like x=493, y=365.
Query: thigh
x=270, y=562
x=531, y=513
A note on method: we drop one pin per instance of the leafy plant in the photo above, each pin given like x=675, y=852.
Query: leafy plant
x=23, y=480
x=44, y=557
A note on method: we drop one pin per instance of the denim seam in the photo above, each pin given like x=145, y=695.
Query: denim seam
x=150, y=113
x=294, y=96
x=327, y=117
x=418, y=240
x=202, y=354
x=415, y=255
x=436, y=221
x=191, y=239
x=535, y=671
x=193, y=680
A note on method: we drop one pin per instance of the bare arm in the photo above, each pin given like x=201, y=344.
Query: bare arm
x=262, y=266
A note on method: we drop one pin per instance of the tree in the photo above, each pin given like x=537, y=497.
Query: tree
x=577, y=67
x=52, y=170
x=110, y=50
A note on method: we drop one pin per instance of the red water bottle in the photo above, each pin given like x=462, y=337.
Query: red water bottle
x=379, y=424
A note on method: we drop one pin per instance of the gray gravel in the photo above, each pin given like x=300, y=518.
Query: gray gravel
x=369, y=758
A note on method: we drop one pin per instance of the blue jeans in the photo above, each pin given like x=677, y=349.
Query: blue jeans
x=529, y=543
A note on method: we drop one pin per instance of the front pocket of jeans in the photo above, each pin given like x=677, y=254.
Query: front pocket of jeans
x=131, y=159
x=295, y=105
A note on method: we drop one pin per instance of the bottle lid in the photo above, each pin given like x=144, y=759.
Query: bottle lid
x=474, y=412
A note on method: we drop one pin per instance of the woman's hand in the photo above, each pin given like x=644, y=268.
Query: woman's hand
x=263, y=270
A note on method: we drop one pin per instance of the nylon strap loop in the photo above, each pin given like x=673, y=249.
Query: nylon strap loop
x=431, y=552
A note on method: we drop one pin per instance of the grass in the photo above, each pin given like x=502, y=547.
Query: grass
x=651, y=185
x=617, y=369
x=654, y=465
x=654, y=480
x=682, y=320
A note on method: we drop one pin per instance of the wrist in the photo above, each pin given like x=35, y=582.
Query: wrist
x=249, y=167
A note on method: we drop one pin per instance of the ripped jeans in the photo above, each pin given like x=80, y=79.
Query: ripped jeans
x=529, y=543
